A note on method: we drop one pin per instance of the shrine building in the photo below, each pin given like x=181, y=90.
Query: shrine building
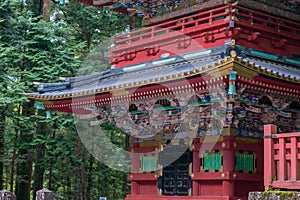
x=202, y=78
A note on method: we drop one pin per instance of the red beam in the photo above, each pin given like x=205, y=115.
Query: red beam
x=142, y=177
x=291, y=185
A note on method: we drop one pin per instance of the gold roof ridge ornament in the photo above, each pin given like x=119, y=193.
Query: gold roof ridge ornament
x=233, y=50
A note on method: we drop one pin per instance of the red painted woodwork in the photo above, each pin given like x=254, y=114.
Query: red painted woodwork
x=76, y=104
x=207, y=29
x=175, y=37
x=267, y=33
x=228, y=165
x=278, y=168
x=185, y=24
x=209, y=185
x=281, y=159
x=151, y=197
x=271, y=86
x=223, y=183
x=265, y=22
x=143, y=184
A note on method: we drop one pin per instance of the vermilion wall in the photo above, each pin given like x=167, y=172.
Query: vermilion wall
x=225, y=184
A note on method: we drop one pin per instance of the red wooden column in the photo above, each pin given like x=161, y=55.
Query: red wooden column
x=294, y=159
x=135, y=162
x=260, y=157
x=269, y=165
x=134, y=188
x=281, y=169
x=228, y=185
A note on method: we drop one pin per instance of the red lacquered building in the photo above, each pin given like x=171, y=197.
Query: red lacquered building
x=197, y=84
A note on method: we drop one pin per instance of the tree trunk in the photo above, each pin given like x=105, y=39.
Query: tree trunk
x=82, y=174
x=22, y=179
x=24, y=161
x=12, y=168
x=46, y=10
x=90, y=178
x=2, y=128
x=14, y=155
x=51, y=165
x=39, y=170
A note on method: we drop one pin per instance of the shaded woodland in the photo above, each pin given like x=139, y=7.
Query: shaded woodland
x=40, y=41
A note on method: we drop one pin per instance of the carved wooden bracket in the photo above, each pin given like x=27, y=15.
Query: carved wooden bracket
x=278, y=43
x=113, y=60
x=253, y=36
x=236, y=33
x=152, y=51
x=208, y=37
x=226, y=31
x=183, y=43
x=130, y=55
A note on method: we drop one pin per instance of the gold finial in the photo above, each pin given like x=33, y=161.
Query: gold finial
x=233, y=53
x=232, y=43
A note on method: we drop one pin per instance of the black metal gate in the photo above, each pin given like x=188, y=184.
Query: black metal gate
x=175, y=179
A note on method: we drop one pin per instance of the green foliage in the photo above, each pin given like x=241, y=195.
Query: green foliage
x=34, y=50
x=96, y=28
x=91, y=24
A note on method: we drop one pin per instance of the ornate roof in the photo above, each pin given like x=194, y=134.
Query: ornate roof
x=215, y=62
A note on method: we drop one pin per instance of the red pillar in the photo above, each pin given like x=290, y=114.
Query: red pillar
x=269, y=165
x=135, y=161
x=260, y=157
x=134, y=188
x=281, y=170
x=195, y=189
x=228, y=186
x=294, y=159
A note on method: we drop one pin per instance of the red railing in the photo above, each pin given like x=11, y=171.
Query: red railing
x=183, y=25
x=267, y=22
x=281, y=159
x=203, y=21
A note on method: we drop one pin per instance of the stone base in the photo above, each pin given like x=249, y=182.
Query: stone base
x=7, y=195
x=282, y=195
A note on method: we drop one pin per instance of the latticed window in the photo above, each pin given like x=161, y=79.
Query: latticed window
x=149, y=163
x=245, y=161
x=212, y=161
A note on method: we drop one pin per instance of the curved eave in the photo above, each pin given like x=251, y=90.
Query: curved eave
x=250, y=69
x=200, y=85
x=215, y=70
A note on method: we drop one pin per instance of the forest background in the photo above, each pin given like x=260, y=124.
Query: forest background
x=40, y=41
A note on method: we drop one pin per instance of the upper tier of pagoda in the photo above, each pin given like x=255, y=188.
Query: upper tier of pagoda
x=208, y=28
x=156, y=11
x=184, y=26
